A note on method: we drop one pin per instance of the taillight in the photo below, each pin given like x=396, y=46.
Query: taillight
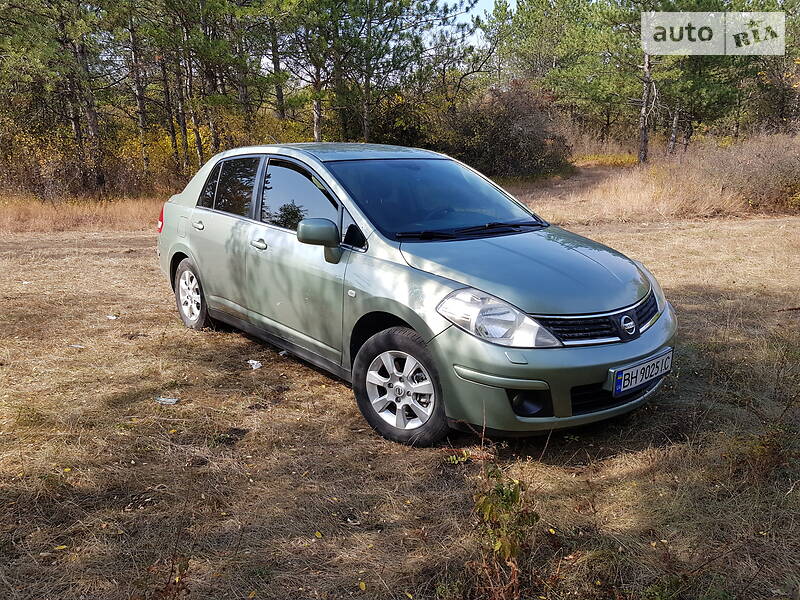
x=160, y=225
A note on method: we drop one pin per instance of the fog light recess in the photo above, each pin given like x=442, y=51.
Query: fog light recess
x=531, y=403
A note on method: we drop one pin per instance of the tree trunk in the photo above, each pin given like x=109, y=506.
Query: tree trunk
x=317, y=104
x=673, y=133
x=138, y=91
x=77, y=130
x=280, y=103
x=367, y=76
x=645, y=110
x=343, y=109
x=242, y=92
x=687, y=134
x=181, y=114
x=198, y=140
x=209, y=80
x=211, y=89
x=173, y=138
x=89, y=104
x=606, y=131
x=317, y=119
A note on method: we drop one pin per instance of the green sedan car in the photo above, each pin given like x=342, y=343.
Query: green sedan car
x=443, y=300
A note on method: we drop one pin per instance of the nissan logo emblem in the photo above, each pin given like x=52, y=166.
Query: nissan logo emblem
x=628, y=325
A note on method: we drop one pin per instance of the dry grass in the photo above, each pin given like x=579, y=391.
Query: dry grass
x=106, y=494
x=697, y=495
x=26, y=213
x=629, y=195
x=761, y=175
x=102, y=489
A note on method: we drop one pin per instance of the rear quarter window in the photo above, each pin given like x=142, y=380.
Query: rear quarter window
x=235, y=187
x=206, y=199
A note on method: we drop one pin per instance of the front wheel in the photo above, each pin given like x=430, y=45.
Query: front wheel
x=397, y=388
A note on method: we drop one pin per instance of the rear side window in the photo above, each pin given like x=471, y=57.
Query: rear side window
x=292, y=194
x=235, y=187
x=206, y=199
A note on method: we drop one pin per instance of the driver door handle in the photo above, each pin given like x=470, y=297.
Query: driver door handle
x=259, y=243
x=198, y=224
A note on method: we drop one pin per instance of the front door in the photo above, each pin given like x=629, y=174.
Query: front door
x=291, y=289
x=218, y=231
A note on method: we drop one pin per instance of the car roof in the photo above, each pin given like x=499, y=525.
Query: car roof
x=331, y=151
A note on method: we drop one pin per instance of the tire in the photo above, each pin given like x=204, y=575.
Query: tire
x=192, y=303
x=380, y=396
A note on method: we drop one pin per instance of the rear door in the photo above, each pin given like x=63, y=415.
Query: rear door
x=291, y=289
x=218, y=232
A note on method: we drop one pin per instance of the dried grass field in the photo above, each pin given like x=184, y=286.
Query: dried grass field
x=268, y=484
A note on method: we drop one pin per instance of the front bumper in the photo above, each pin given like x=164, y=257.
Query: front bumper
x=478, y=378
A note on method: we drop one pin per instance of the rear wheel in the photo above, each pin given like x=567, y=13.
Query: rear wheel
x=397, y=388
x=189, y=296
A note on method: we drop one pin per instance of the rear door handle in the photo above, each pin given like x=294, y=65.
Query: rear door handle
x=260, y=244
x=198, y=224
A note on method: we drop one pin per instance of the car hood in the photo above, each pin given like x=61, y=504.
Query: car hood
x=549, y=271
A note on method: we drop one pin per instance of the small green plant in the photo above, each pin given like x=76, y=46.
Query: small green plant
x=176, y=586
x=759, y=455
x=28, y=416
x=457, y=459
x=619, y=159
x=505, y=528
x=664, y=589
x=450, y=590
x=674, y=587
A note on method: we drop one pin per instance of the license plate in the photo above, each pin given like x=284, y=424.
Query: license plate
x=636, y=376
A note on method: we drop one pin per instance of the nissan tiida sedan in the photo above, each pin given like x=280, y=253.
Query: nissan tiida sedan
x=441, y=298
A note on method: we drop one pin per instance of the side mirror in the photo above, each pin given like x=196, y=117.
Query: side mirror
x=318, y=232
x=321, y=232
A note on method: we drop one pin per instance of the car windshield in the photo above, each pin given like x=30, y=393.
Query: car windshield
x=423, y=198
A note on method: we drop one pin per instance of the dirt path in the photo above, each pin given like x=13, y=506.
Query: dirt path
x=562, y=188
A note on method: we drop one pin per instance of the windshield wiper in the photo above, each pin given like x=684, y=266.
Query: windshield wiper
x=498, y=225
x=427, y=234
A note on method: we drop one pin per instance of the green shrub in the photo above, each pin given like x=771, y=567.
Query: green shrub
x=505, y=132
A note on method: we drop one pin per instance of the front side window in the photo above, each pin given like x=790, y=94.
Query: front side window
x=206, y=199
x=235, y=187
x=292, y=194
x=407, y=197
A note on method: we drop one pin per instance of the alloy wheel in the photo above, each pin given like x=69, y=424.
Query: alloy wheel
x=189, y=295
x=400, y=390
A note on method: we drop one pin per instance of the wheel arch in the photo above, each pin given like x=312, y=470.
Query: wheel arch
x=379, y=314
x=368, y=325
x=173, y=266
x=179, y=252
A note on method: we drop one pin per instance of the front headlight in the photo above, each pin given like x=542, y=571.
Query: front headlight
x=660, y=298
x=493, y=320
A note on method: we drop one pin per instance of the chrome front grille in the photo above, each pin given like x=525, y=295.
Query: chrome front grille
x=579, y=330
x=646, y=311
x=569, y=330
